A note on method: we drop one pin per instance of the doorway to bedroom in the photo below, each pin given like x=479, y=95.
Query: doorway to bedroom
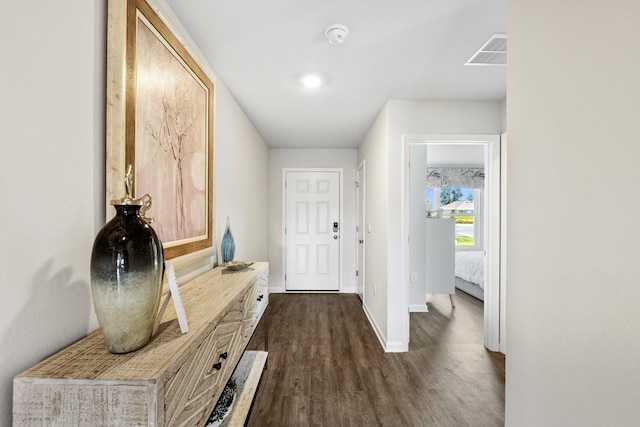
x=453, y=222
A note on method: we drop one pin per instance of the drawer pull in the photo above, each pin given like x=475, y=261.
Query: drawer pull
x=217, y=366
x=223, y=355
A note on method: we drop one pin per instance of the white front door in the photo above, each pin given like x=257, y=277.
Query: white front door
x=312, y=230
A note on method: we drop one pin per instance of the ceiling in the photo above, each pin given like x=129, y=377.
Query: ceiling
x=395, y=49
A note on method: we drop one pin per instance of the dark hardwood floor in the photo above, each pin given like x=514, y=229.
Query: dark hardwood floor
x=326, y=367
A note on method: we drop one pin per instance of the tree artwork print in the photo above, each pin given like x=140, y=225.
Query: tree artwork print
x=171, y=139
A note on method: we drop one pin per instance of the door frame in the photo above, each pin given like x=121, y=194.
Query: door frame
x=360, y=214
x=493, y=320
x=284, y=222
x=503, y=241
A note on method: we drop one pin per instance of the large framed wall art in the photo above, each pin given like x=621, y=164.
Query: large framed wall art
x=159, y=121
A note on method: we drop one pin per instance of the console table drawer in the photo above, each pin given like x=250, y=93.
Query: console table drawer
x=257, y=303
x=189, y=393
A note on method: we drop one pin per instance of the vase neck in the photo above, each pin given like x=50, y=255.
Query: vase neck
x=128, y=210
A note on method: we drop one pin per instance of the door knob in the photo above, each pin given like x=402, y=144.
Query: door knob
x=335, y=237
x=361, y=241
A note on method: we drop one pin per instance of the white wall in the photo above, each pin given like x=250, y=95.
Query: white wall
x=418, y=227
x=242, y=176
x=383, y=150
x=52, y=141
x=574, y=277
x=457, y=155
x=52, y=178
x=312, y=158
x=422, y=117
x=373, y=152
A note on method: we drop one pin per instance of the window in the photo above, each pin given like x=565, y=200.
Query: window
x=463, y=204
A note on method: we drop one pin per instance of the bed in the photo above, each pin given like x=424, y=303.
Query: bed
x=470, y=273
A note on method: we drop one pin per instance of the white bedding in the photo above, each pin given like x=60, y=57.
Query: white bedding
x=470, y=266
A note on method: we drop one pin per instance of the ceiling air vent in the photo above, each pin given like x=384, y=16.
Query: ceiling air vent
x=493, y=52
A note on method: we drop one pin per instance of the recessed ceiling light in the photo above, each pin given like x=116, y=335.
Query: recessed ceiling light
x=311, y=80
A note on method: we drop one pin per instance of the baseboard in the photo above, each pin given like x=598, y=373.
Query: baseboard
x=348, y=290
x=282, y=290
x=418, y=308
x=388, y=347
x=396, y=347
x=375, y=327
x=276, y=289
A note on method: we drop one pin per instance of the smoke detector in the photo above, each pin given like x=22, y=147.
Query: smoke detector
x=336, y=33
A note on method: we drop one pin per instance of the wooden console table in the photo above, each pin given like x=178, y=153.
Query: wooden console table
x=175, y=380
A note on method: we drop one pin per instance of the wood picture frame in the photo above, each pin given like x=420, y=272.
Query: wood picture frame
x=159, y=120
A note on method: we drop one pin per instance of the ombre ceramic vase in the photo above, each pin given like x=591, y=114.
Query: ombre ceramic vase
x=127, y=266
